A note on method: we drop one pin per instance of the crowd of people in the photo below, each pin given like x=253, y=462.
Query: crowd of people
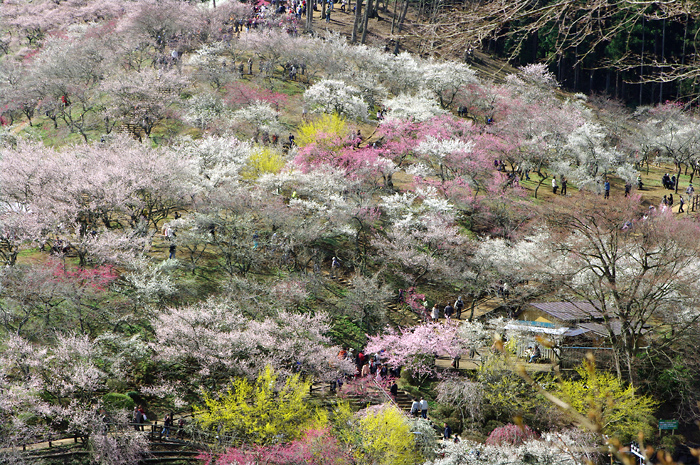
x=449, y=310
x=369, y=365
x=139, y=420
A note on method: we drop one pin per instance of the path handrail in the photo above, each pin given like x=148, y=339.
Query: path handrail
x=392, y=401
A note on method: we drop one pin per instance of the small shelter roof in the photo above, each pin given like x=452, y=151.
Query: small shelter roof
x=570, y=311
x=530, y=328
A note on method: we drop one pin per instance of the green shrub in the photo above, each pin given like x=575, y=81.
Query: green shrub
x=670, y=442
x=116, y=401
x=135, y=396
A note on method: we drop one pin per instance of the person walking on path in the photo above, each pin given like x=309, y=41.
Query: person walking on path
x=563, y=185
x=459, y=306
x=435, y=313
x=136, y=418
x=415, y=408
x=394, y=390
x=447, y=432
x=423, y=408
x=167, y=423
x=448, y=311
x=335, y=264
x=607, y=189
x=554, y=185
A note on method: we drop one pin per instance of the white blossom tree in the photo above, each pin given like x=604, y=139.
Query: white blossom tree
x=333, y=96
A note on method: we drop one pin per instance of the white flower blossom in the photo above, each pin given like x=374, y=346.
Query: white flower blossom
x=419, y=107
x=333, y=96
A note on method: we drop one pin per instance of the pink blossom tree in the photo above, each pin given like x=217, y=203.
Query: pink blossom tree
x=511, y=434
x=416, y=348
x=316, y=447
x=240, y=94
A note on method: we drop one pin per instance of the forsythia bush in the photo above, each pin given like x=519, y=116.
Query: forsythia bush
x=615, y=408
x=262, y=161
x=386, y=438
x=257, y=412
x=324, y=130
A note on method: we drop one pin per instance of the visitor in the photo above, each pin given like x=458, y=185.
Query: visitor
x=136, y=418
x=335, y=264
x=435, y=313
x=181, y=428
x=459, y=306
x=423, y=408
x=448, y=311
x=415, y=408
x=447, y=432
x=167, y=423
x=535, y=354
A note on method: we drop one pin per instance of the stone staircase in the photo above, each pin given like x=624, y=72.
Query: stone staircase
x=404, y=401
x=132, y=129
x=401, y=314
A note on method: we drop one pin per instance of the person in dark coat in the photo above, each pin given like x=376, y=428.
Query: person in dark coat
x=447, y=433
x=449, y=310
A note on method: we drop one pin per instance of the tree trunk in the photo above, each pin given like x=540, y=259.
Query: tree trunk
x=663, y=59
x=393, y=17
x=641, y=68
x=358, y=13
x=403, y=15
x=542, y=178
x=685, y=36
x=309, y=16
x=366, y=20
x=471, y=312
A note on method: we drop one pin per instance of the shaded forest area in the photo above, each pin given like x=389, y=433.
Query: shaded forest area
x=640, y=52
